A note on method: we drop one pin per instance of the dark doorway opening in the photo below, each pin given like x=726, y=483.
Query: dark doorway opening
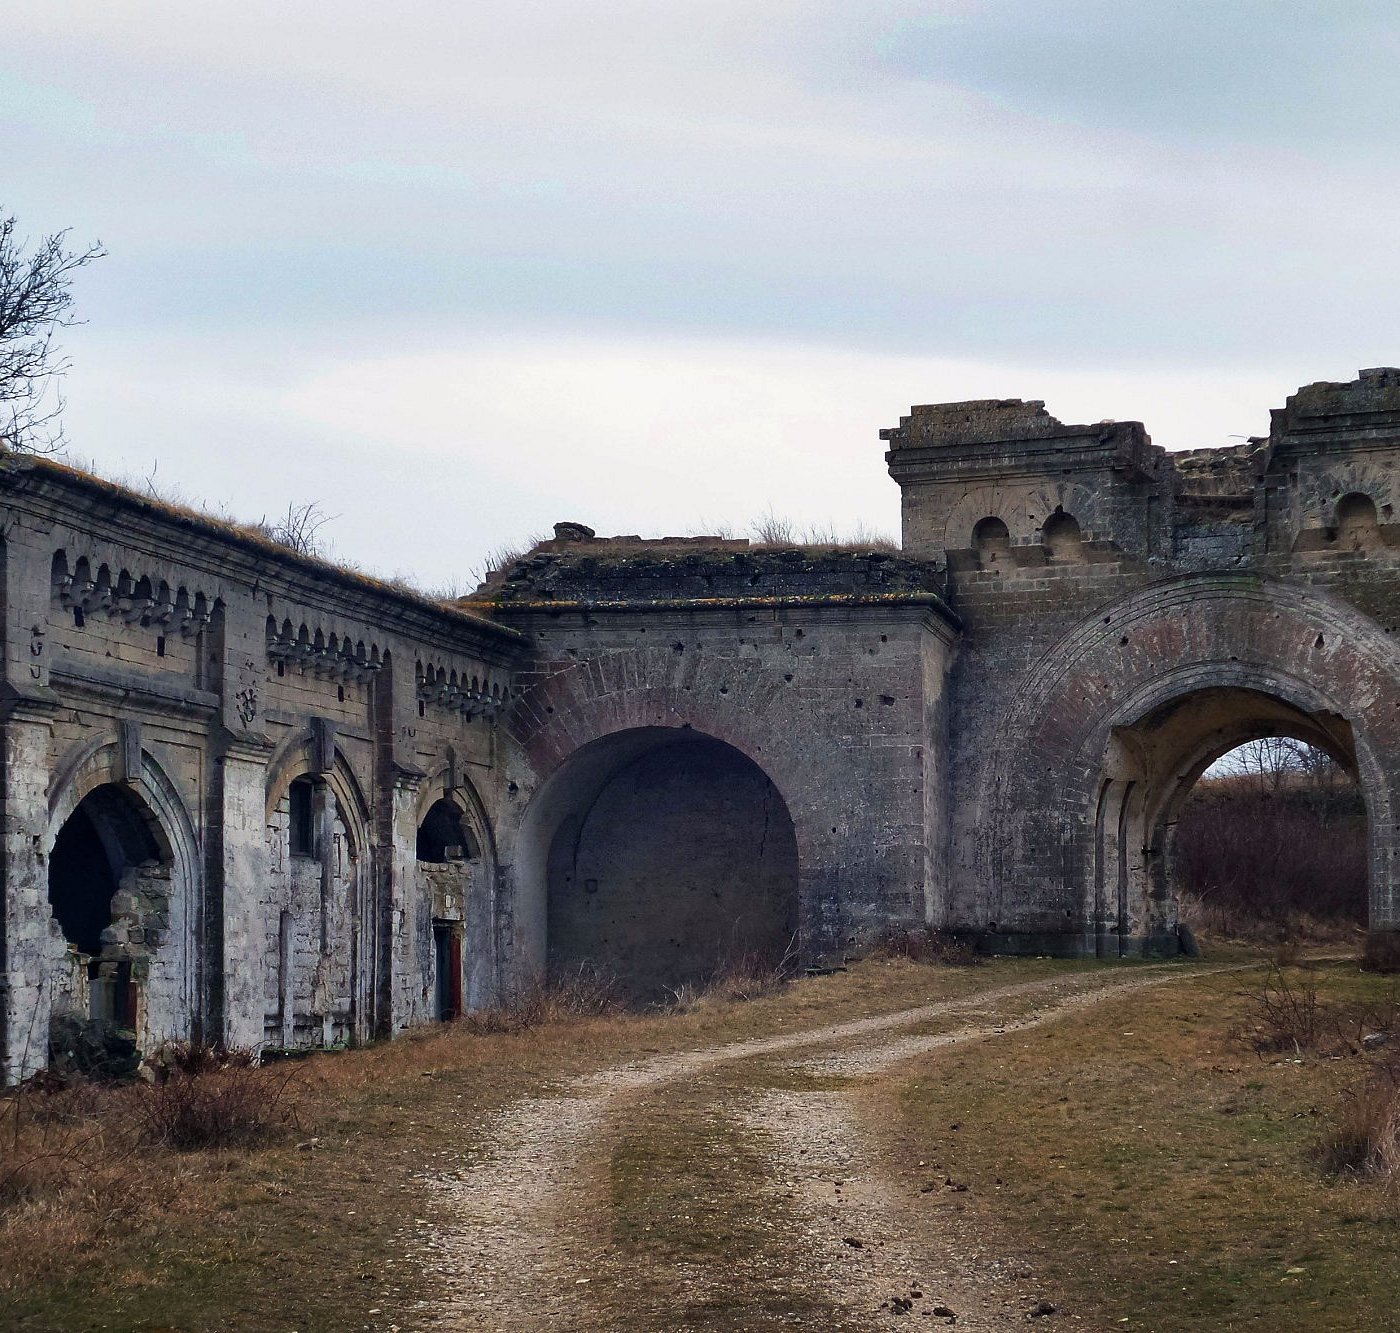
x=107, y=835
x=447, y=958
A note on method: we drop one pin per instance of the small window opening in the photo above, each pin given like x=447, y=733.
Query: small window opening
x=340, y=693
x=78, y=617
x=442, y=836
x=991, y=540
x=1061, y=536
x=281, y=668
x=160, y=645
x=301, y=824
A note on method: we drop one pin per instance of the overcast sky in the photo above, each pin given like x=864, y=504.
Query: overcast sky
x=460, y=270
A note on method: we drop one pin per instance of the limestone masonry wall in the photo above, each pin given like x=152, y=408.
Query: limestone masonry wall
x=252, y=798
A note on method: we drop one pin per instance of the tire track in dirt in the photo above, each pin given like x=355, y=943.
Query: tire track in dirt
x=530, y=1227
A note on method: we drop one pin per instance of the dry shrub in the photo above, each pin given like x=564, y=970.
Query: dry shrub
x=746, y=976
x=1264, y=864
x=1365, y=1141
x=237, y=1106
x=578, y=995
x=1289, y=1016
x=924, y=944
x=196, y=1057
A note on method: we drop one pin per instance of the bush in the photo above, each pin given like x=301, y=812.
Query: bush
x=238, y=1105
x=1249, y=861
x=924, y=944
x=1289, y=1017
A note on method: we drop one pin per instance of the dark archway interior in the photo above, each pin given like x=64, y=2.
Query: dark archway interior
x=443, y=835
x=671, y=866
x=101, y=838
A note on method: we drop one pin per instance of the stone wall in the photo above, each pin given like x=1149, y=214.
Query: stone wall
x=741, y=746
x=1266, y=571
x=198, y=671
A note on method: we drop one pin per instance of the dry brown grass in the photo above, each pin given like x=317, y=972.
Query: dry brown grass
x=580, y=995
x=278, y=1236
x=1155, y=1168
x=924, y=944
x=1364, y=1141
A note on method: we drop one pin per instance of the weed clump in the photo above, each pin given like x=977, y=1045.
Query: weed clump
x=924, y=944
x=212, y=1100
x=1365, y=1140
x=749, y=976
x=579, y=995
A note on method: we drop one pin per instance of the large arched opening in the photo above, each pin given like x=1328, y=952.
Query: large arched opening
x=109, y=889
x=658, y=857
x=1151, y=770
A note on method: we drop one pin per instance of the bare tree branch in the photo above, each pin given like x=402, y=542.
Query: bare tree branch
x=35, y=302
x=298, y=529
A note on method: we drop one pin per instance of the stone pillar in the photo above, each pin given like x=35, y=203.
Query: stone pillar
x=235, y=929
x=406, y=949
x=26, y=948
x=26, y=709
x=238, y=882
x=401, y=957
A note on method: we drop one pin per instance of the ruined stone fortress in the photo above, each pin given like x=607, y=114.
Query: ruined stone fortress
x=254, y=798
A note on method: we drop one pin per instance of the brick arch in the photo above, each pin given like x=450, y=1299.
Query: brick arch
x=1324, y=661
x=727, y=698
x=722, y=697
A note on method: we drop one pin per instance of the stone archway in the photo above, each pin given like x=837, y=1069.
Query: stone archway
x=1150, y=767
x=124, y=876
x=455, y=867
x=657, y=856
x=1116, y=721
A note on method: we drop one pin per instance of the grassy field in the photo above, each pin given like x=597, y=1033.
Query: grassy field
x=1159, y=1169
x=288, y=1237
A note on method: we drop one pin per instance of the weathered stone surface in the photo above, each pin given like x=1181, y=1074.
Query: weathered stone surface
x=307, y=794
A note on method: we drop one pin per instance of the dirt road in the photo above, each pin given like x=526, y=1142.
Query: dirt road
x=738, y=1186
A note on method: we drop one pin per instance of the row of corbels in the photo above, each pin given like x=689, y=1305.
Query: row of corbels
x=132, y=601
x=333, y=660
x=470, y=696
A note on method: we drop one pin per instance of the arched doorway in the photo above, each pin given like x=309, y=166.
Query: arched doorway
x=658, y=856
x=109, y=889
x=1151, y=767
x=1105, y=734
x=319, y=923
x=451, y=868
